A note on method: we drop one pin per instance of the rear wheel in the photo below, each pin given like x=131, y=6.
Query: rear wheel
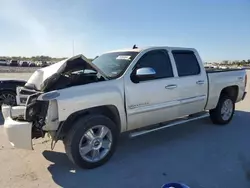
x=223, y=113
x=91, y=141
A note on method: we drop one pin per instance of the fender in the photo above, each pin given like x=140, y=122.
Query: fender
x=90, y=96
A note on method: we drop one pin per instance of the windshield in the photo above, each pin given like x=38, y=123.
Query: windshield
x=114, y=64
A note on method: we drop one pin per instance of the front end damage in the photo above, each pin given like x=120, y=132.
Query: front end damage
x=18, y=132
x=33, y=121
x=37, y=110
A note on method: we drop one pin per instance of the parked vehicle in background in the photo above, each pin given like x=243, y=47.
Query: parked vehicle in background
x=44, y=64
x=3, y=62
x=13, y=63
x=38, y=63
x=8, y=91
x=23, y=64
x=41, y=64
x=223, y=67
x=88, y=104
x=50, y=63
x=31, y=64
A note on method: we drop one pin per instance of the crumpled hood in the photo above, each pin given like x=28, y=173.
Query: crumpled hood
x=76, y=62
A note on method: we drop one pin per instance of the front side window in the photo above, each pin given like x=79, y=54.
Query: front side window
x=159, y=61
x=114, y=64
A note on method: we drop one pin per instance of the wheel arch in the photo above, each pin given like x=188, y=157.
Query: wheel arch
x=109, y=111
x=8, y=90
x=231, y=91
x=216, y=114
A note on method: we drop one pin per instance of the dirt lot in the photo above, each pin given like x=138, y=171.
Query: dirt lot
x=16, y=69
x=200, y=154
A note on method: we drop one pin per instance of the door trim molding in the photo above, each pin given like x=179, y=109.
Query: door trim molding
x=146, y=107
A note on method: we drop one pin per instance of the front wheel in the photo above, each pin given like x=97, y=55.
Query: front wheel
x=224, y=111
x=91, y=141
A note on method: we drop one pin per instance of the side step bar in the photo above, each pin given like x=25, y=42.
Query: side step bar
x=186, y=119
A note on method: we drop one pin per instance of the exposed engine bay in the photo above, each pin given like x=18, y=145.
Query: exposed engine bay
x=68, y=73
x=69, y=79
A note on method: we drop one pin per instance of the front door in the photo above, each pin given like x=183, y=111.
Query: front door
x=155, y=100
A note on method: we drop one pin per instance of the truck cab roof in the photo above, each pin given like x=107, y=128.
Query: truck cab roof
x=151, y=48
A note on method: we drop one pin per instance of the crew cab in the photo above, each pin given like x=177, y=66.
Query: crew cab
x=88, y=105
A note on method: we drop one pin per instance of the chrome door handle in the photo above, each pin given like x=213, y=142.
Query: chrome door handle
x=171, y=86
x=200, y=82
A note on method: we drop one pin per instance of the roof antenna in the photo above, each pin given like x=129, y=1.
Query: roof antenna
x=135, y=47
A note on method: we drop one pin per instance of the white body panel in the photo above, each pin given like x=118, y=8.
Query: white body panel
x=100, y=94
x=147, y=104
x=139, y=105
x=18, y=133
x=192, y=90
x=219, y=80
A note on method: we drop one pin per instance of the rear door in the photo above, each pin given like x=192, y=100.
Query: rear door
x=192, y=82
x=155, y=100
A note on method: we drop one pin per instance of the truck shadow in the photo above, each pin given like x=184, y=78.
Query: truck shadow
x=210, y=153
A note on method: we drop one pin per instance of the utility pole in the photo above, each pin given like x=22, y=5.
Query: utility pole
x=73, y=48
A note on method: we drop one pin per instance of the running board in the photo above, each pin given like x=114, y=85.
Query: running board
x=177, y=122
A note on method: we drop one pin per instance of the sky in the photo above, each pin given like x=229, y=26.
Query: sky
x=218, y=29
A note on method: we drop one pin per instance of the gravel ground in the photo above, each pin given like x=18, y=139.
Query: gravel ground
x=15, y=76
x=199, y=153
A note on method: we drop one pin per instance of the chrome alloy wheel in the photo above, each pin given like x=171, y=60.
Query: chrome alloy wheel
x=227, y=109
x=95, y=144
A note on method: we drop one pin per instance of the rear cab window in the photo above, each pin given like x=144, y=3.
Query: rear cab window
x=186, y=63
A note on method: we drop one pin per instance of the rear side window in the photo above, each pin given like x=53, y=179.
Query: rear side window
x=159, y=61
x=186, y=63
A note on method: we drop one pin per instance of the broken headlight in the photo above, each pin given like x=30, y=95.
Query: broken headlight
x=32, y=98
x=35, y=109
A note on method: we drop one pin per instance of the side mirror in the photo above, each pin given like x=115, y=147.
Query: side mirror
x=145, y=73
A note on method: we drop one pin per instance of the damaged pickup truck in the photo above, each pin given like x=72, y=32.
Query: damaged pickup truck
x=88, y=104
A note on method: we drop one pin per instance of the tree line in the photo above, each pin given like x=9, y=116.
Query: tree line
x=238, y=63
x=235, y=62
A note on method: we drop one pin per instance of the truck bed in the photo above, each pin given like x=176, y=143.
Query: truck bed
x=222, y=78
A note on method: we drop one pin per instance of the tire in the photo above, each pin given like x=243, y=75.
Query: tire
x=216, y=114
x=77, y=135
x=7, y=97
